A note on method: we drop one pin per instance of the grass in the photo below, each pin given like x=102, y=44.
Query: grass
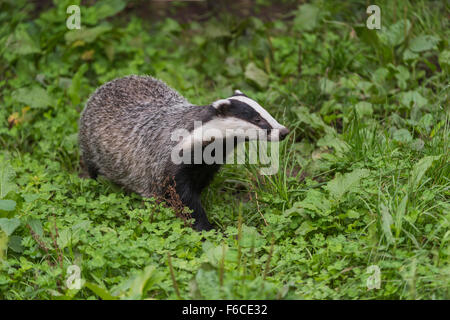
x=363, y=178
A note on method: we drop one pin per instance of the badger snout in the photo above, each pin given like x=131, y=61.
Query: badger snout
x=283, y=133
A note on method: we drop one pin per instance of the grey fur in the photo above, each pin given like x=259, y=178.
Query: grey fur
x=125, y=130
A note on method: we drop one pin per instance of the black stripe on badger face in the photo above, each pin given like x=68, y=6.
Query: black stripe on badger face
x=241, y=110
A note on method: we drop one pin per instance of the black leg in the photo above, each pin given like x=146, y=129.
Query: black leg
x=191, y=199
x=91, y=169
x=190, y=180
x=199, y=214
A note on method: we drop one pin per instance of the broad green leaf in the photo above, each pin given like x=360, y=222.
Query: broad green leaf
x=306, y=17
x=253, y=73
x=64, y=237
x=214, y=253
x=99, y=291
x=21, y=43
x=348, y=182
x=9, y=225
x=423, y=43
x=315, y=201
x=410, y=55
x=36, y=226
x=395, y=34
x=105, y=9
x=86, y=34
x=313, y=120
x=444, y=58
x=352, y=214
x=35, y=97
x=420, y=168
x=332, y=141
x=7, y=175
x=208, y=283
x=411, y=98
x=251, y=237
x=402, y=76
x=305, y=228
x=7, y=205
x=15, y=243
x=143, y=281
x=402, y=135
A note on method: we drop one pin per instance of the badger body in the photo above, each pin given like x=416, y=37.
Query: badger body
x=125, y=135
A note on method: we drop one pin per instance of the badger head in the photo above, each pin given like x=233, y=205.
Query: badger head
x=242, y=117
x=235, y=119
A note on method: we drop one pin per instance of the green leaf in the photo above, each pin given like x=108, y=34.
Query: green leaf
x=87, y=35
x=444, y=58
x=364, y=109
x=411, y=98
x=258, y=76
x=9, y=225
x=402, y=136
x=15, y=243
x=395, y=34
x=213, y=253
x=420, y=169
x=305, y=228
x=35, y=97
x=105, y=9
x=7, y=175
x=99, y=291
x=75, y=85
x=3, y=244
x=36, y=226
x=251, y=237
x=315, y=201
x=386, y=222
x=332, y=141
x=7, y=205
x=401, y=209
x=352, y=214
x=423, y=43
x=144, y=281
x=306, y=17
x=208, y=282
x=64, y=238
x=342, y=184
x=21, y=43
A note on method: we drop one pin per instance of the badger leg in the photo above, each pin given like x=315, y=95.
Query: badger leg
x=199, y=214
x=191, y=199
x=91, y=169
x=190, y=180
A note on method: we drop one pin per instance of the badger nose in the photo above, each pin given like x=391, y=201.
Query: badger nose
x=283, y=133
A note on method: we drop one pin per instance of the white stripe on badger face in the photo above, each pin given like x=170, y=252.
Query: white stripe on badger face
x=263, y=113
x=220, y=128
x=220, y=102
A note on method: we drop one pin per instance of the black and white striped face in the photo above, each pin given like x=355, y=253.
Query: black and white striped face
x=242, y=114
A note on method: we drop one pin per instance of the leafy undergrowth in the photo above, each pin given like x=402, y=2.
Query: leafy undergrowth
x=363, y=178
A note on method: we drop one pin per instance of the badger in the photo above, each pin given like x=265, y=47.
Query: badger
x=126, y=135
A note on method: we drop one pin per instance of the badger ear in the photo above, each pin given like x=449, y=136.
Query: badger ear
x=220, y=104
x=238, y=92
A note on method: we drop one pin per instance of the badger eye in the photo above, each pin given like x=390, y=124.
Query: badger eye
x=258, y=120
